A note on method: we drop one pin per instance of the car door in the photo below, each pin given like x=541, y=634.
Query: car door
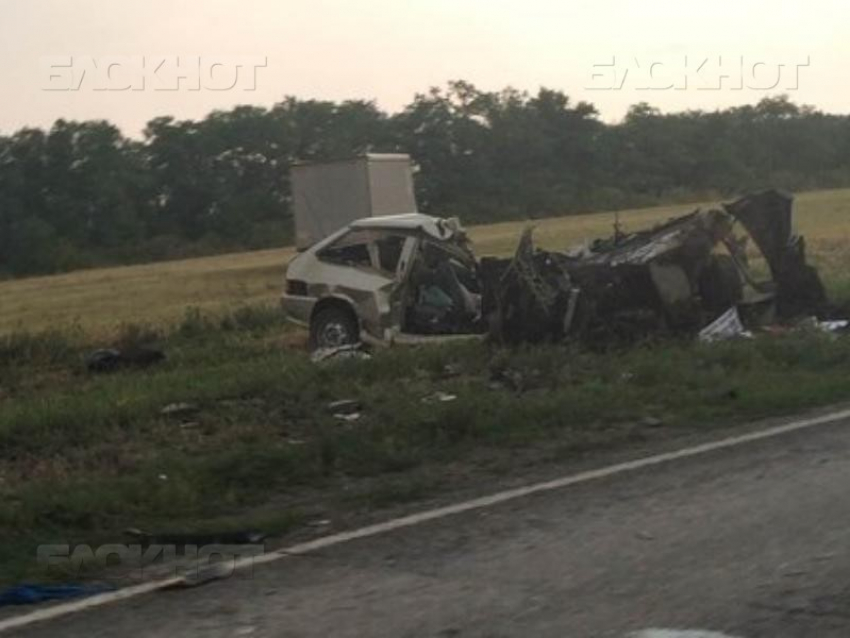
x=350, y=268
x=394, y=253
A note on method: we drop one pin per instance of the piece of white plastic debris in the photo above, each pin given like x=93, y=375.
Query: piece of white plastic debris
x=349, y=418
x=439, y=397
x=346, y=406
x=352, y=351
x=727, y=326
x=834, y=326
x=179, y=409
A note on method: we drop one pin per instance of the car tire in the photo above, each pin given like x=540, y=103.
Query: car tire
x=333, y=327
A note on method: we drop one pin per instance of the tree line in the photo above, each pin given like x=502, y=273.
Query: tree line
x=82, y=194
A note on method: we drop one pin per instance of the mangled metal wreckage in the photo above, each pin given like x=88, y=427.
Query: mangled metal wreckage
x=674, y=278
x=414, y=278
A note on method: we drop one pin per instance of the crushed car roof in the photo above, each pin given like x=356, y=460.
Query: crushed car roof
x=437, y=227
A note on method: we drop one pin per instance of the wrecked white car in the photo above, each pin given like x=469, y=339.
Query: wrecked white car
x=401, y=278
x=413, y=277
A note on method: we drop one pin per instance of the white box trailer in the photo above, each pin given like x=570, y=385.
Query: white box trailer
x=330, y=195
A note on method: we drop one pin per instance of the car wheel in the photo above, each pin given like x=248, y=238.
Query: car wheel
x=333, y=327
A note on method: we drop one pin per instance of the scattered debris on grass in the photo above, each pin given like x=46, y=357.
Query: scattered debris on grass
x=439, y=397
x=449, y=371
x=840, y=325
x=180, y=410
x=651, y=422
x=348, y=417
x=348, y=410
x=111, y=359
x=726, y=326
x=350, y=351
x=269, y=436
x=518, y=381
x=345, y=406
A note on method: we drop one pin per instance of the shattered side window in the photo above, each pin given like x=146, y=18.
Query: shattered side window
x=349, y=250
x=389, y=252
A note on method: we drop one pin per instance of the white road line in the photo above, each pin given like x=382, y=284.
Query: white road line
x=412, y=520
x=677, y=633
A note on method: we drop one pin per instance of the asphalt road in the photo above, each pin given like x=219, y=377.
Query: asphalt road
x=751, y=542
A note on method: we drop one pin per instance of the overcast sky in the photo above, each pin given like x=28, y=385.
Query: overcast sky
x=388, y=50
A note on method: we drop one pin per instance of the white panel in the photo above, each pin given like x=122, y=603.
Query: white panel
x=329, y=196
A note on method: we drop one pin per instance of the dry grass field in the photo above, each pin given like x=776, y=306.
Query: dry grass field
x=100, y=300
